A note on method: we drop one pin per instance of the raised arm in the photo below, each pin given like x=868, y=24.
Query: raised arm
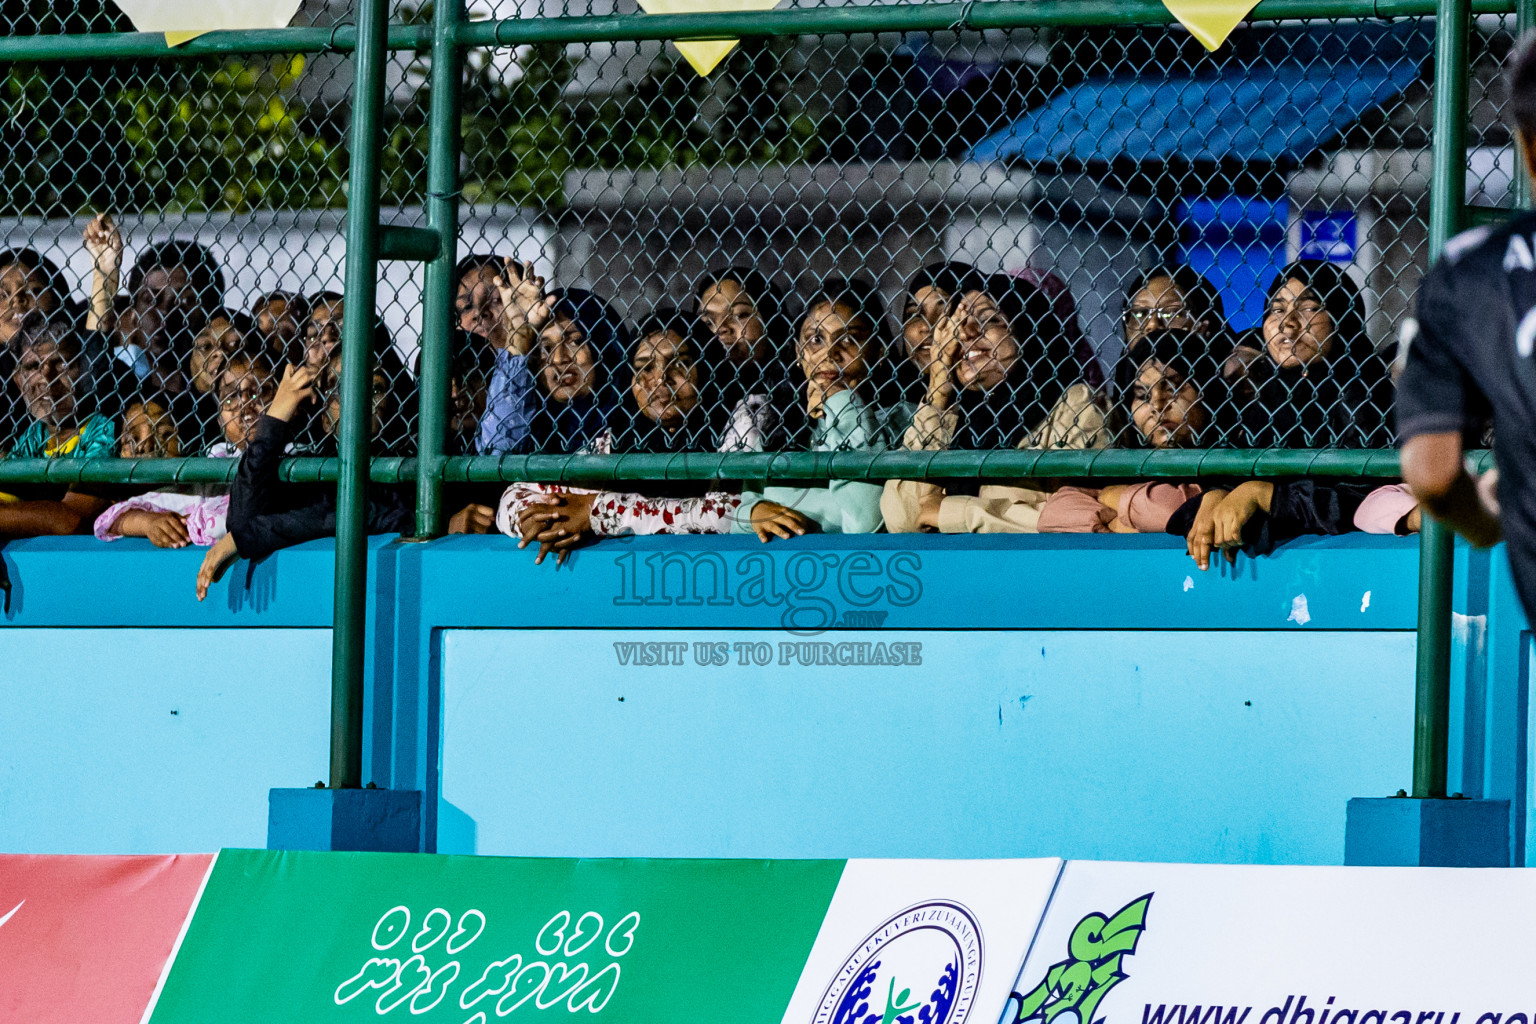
x=105, y=244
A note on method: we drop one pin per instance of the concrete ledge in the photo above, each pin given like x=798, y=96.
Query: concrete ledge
x=376, y=820
x=1403, y=832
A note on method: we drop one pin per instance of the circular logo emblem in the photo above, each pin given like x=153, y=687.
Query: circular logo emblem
x=920, y=967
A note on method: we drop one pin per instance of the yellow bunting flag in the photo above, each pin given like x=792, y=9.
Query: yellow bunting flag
x=1210, y=21
x=181, y=20
x=704, y=55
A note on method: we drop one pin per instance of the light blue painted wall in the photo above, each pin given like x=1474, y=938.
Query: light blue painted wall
x=155, y=740
x=1137, y=753
x=1146, y=745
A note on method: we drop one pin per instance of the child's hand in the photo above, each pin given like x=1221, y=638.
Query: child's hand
x=215, y=562
x=163, y=529
x=473, y=519
x=297, y=387
x=1202, y=535
x=104, y=243
x=770, y=519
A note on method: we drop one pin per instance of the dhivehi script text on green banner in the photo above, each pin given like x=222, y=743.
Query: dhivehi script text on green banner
x=309, y=937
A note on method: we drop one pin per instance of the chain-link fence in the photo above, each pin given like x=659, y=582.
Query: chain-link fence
x=1055, y=238
x=981, y=240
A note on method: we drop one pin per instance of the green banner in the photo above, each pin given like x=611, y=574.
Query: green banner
x=293, y=938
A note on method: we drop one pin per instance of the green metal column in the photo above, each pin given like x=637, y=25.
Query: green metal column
x=1447, y=197
x=443, y=220
x=1432, y=690
x=356, y=388
x=1525, y=20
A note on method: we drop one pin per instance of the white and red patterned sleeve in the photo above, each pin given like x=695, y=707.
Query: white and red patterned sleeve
x=615, y=515
x=519, y=496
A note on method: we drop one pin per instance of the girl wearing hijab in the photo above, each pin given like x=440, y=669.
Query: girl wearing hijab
x=748, y=334
x=1316, y=382
x=669, y=406
x=1177, y=298
x=264, y=516
x=551, y=389
x=924, y=304
x=997, y=380
x=392, y=399
x=840, y=370
x=1170, y=396
x=581, y=347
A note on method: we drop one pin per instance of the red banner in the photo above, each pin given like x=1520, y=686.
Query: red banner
x=87, y=938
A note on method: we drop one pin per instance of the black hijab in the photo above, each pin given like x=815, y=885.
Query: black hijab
x=470, y=358
x=1190, y=355
x=863, y=300
x=397, y=432
x=562, y=427
x=1335, y=401
x=759, y=377
x=999, y=417
x=633, y=431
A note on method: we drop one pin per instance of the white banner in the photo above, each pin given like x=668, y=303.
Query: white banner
x=922, y=941
x=1230, y=944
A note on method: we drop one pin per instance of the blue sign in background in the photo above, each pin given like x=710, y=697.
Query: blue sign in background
x=1328, y=236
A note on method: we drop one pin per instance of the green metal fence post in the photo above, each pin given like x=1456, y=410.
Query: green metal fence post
x=1525, y=20
x=443, y=219
x=1447, y=197
x=356, y=386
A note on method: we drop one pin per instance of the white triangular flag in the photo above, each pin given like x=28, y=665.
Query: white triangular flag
x=181, y=20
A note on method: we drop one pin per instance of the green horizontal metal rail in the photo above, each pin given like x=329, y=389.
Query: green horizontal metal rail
x=886, y=17
x=936, y=17
x=1109, y=463
x=856, y=465
x=140, y=45
x=164, y=472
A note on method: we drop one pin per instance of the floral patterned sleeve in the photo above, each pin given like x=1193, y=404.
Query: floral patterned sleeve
x=615, y=515
x=519, y=496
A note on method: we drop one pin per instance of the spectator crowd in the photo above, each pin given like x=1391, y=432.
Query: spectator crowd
x=155, y=366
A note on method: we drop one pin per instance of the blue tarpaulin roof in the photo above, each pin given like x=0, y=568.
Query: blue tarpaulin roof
x=1258, y=112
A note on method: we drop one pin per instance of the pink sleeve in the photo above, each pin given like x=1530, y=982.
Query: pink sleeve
x=109, y=518
x=206, y=520
x=1146, y=508
x=204, y=516
x=1384, y=508
x=1075, y=510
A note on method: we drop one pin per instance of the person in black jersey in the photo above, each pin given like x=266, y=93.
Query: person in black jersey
x=1468, y=357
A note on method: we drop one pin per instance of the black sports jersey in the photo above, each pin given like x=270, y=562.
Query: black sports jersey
x=1470, y=354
